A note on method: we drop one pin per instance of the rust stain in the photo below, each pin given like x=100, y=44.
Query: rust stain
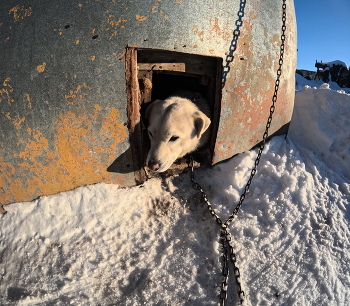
x=140, y=18
x=155, y=9
x=76, y=95
x=7, y=171
x=220, y=31
x=34, y=147
x=237, y=116
x=252, y=94
x=223, y=147
x=16, y=121
x=122, y=56
x=28, y=100
x=275, y=41
x=41, y=68
x=20, y=12
x=199, y=33
x=115, y=24
x=78, y=155
x=253, y=15
x=5, y=92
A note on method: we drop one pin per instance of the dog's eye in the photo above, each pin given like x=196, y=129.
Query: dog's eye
x=150, y=134
x=174, y=138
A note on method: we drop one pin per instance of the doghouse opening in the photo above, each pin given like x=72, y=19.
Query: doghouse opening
x=155, y=74
x=165, y=84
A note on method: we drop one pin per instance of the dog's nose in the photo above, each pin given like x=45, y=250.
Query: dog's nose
x=153, y=165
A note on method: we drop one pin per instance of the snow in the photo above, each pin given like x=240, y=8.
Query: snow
x=337, y=62
x=325, y=115
x=301, y=82
x=157, y=244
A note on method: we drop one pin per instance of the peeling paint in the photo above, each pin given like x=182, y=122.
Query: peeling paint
x=20, y=12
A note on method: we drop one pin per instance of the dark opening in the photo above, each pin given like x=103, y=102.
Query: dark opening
x=165, y=84
x=156, y=74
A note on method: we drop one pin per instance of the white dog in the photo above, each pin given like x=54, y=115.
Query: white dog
x=177, y=126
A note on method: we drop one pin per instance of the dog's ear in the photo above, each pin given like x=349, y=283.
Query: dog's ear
x=201, y=123
x=151, y=107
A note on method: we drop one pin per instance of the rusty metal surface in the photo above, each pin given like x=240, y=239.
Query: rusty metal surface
x=249, y=89
x=63, y=103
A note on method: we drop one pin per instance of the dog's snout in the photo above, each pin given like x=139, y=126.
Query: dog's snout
x=153, y=165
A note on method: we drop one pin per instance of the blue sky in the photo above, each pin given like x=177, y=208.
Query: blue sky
x=323, y=31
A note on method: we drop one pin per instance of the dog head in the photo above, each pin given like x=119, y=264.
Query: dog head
x=175, y=128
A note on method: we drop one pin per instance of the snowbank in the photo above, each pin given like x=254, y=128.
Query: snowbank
x=321, y=125
x=301, y=82
x=157, y=244
x=337, y=62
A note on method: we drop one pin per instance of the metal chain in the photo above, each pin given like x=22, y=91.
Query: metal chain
x=225, y=236
x=227, y=249
x=269, y=120
x=233, y=45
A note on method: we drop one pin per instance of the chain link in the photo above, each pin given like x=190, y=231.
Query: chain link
x=233, y=45
x=225, y=236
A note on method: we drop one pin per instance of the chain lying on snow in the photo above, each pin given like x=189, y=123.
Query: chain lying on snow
x=225, y=236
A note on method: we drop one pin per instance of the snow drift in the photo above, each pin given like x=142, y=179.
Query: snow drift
x=157, y=244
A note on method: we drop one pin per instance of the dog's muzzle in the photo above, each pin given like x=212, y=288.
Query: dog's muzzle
x=153, y=165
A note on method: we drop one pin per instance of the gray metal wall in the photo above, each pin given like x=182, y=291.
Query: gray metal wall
x=63, y=113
